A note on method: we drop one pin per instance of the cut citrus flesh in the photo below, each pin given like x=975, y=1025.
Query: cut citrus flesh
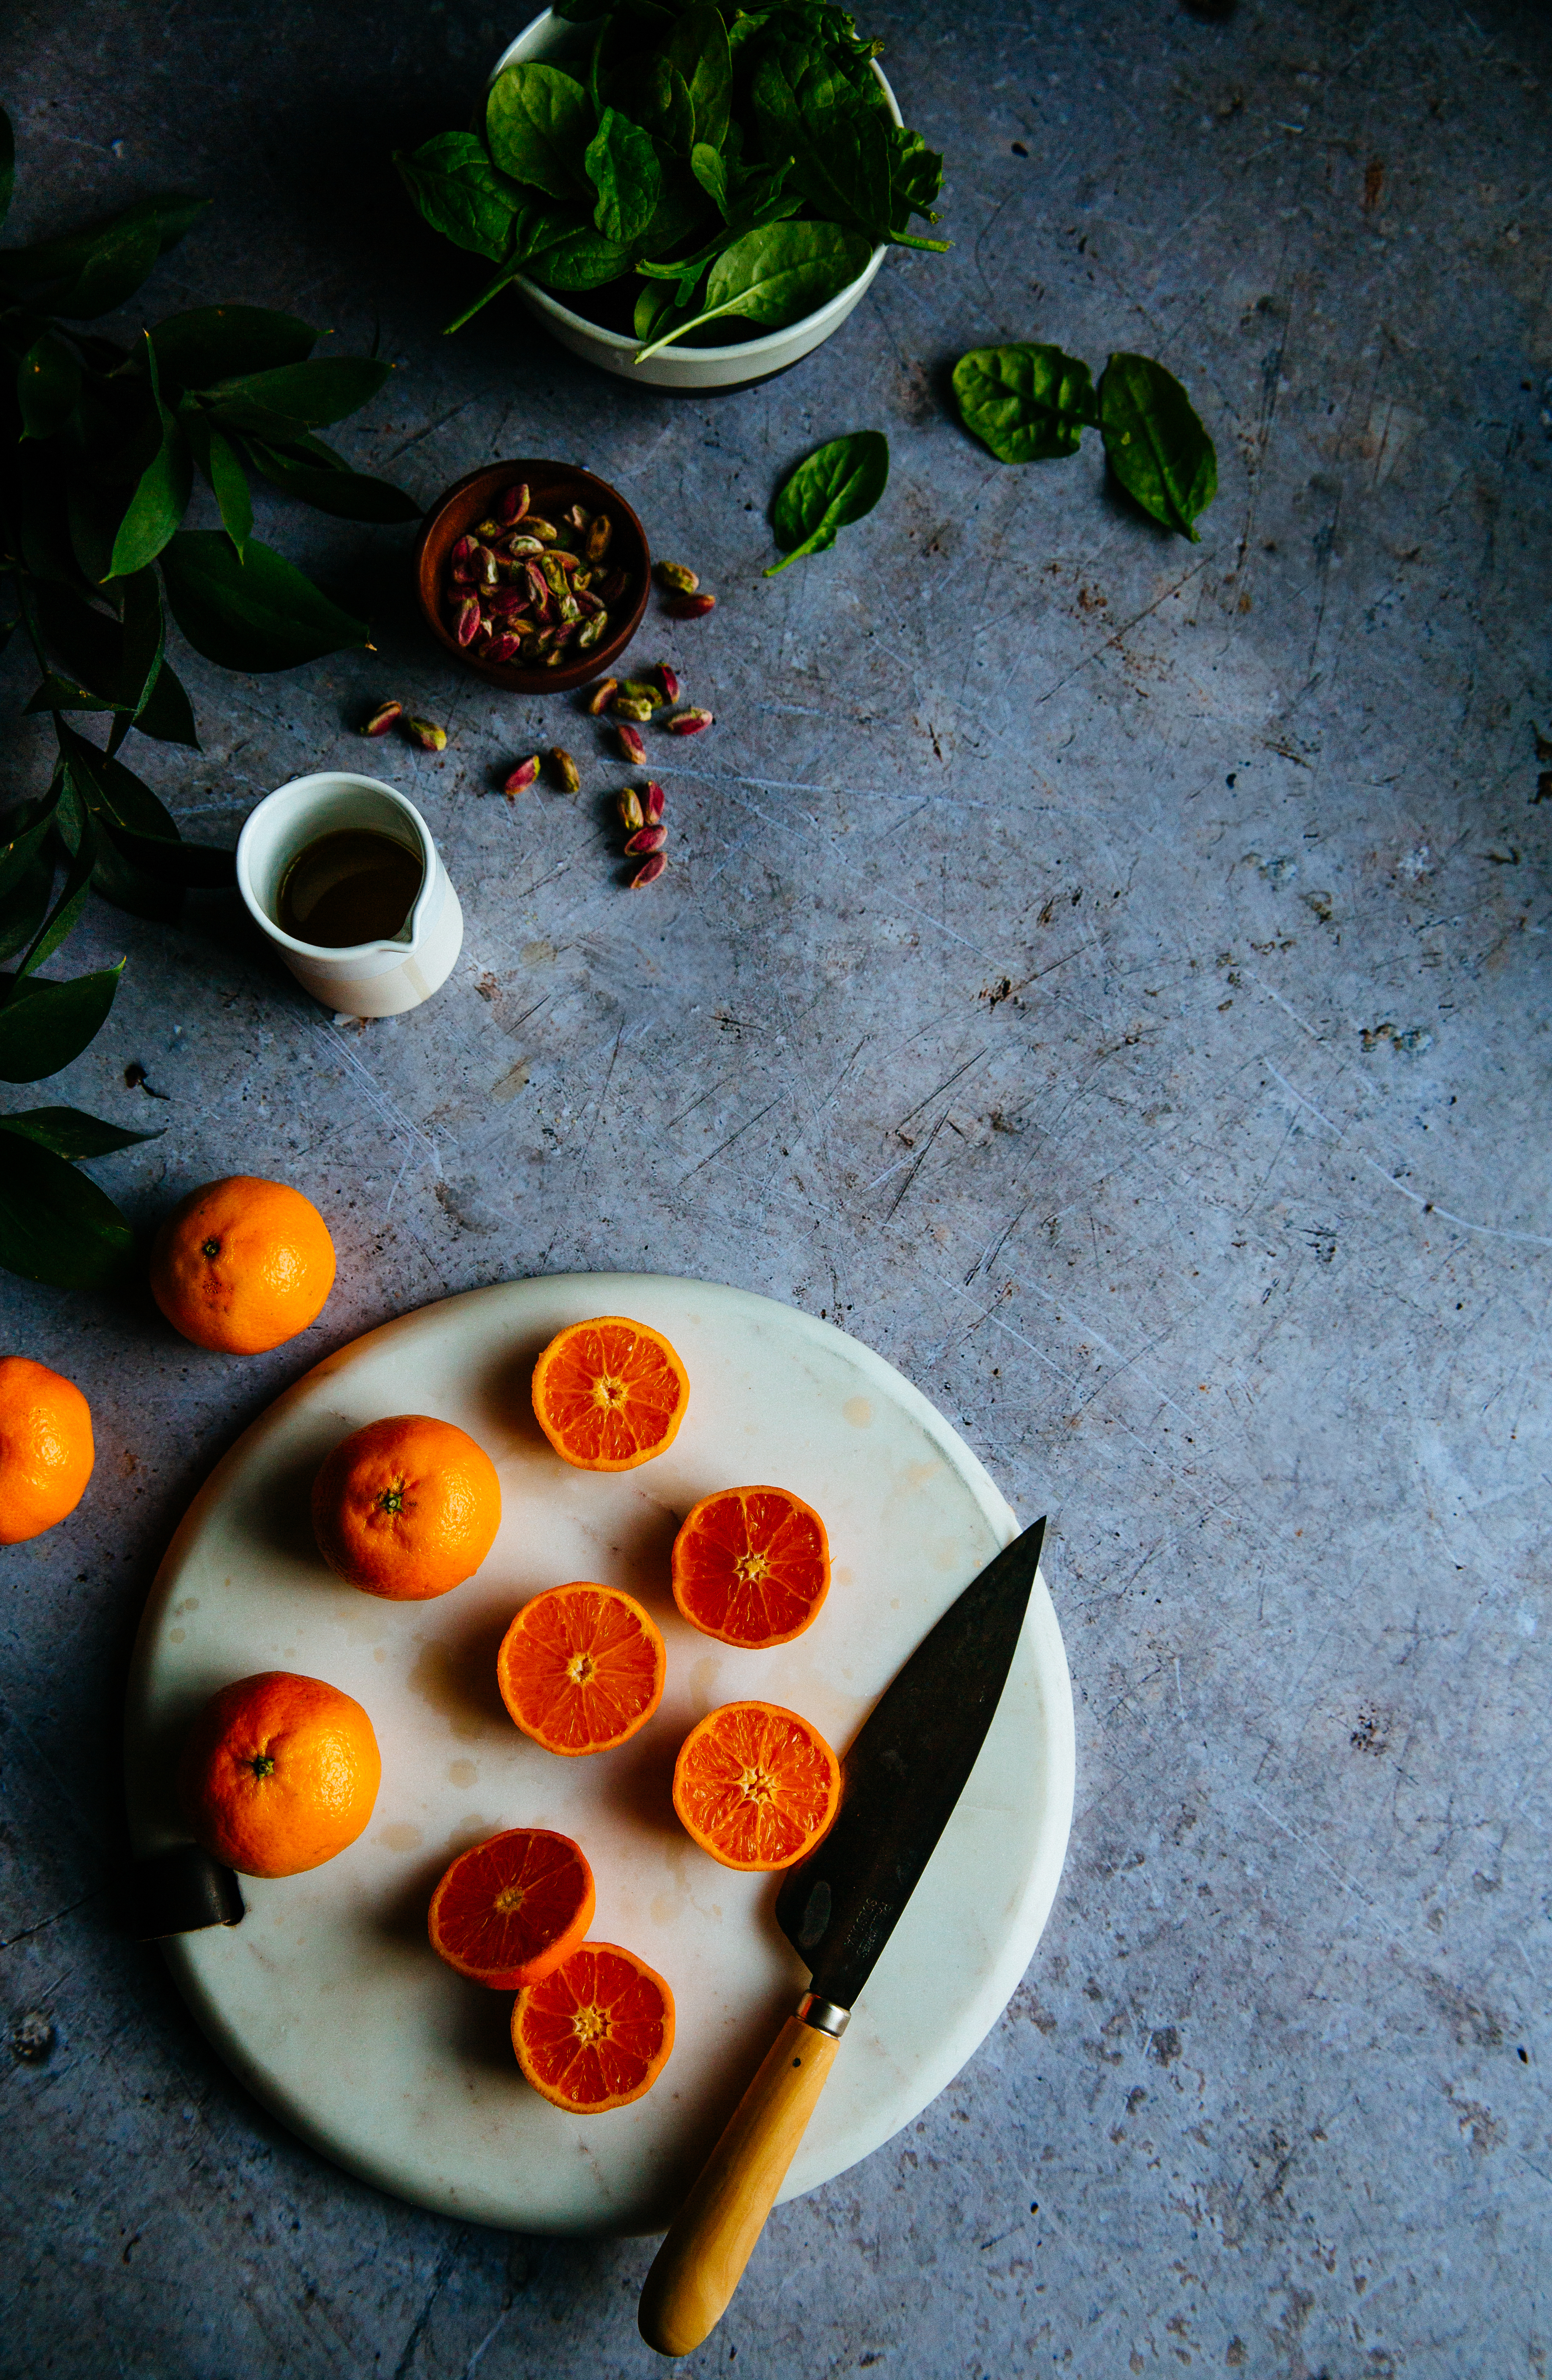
x=596, y=2033
x=609, y=1393
x=510, y=1911
x=756, y=1786
x=581, y=1667
x=751, y=1566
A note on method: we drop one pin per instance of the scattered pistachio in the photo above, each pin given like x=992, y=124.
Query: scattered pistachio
x=630, y=813
x=648, y=871
x=676, y=578
x=513, y=502
x=652, y=803
x=669, y=681
x=689, y=722
x=597, y=696
x=628, y=706
x=566, y=773
x=647, y=838
x=525, y=774
x=691, y=607
x=382, y=718
x=427, y=734
x=632, y=745
x=641, y=689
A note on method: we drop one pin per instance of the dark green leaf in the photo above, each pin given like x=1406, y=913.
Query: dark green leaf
x=24, y=907
x=584, y=260
x=259, y=613
x=48, y=385
x=213, y=343
x=350, y=495
x=461, y=194
x=44, y=1025
x=777, y=274
x=161, y=496
x=324, y=390
x=143, y=832
x=836, y=485
x=70, y=1133
x=25, y=847
x=623, y=168
x=7, y=163
x=78, y=835
x=698, y=49
x=168, y=715
x=841, y=151
x=43, y=517
x=916, y=177
x=1026, y=403
x=229, y=485
x=56, y=1225
x=536, y=228
x=707, y=166
x=538, y=123
x=143, y=637
x=90, y=272
x=1155, y=442
x=666, y=107
x=58, y=693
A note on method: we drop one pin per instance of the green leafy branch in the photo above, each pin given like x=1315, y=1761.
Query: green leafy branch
x=99, y=448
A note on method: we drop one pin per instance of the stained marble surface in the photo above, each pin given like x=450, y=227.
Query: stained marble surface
x=1106, y=975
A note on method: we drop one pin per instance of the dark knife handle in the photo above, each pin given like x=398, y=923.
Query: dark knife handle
x=712, y=2237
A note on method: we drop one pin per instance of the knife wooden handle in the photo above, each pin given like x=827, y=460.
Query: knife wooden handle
x=710, y=2240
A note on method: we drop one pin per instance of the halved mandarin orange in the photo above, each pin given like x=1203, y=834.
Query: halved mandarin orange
x=513, y=1909
x=751, y=1566
x=756, y=1785
x=582, y=1668
x=597, y=2033
x=609, y=1393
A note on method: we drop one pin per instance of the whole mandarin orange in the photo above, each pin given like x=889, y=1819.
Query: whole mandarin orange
x=242, y=1264
x=279, y=1773
x=406, y=1508
x=45, y=1448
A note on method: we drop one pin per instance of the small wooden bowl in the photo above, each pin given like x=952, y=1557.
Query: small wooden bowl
x=551, y=487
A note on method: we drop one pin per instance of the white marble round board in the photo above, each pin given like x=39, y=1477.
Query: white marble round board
x=328, y=2001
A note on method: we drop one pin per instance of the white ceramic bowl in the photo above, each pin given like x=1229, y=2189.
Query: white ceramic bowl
x=681, y=368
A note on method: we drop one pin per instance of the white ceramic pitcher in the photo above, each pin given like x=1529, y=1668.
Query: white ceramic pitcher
x=380, y=978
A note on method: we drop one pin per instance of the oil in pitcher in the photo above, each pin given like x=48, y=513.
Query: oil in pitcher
x=353, y=886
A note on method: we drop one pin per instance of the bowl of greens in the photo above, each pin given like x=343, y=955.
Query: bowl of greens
x=694, y=197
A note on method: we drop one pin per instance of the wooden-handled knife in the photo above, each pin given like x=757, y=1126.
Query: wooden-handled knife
x=901, y=1780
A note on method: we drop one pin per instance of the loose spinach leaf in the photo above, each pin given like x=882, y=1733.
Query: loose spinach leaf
x=70, y=1133
x=775, y=274
x=300, y=395
x=56, y=1225
x=461, y=194
x=350, y=495
x=1026, y=403
x=213, y=343
x=1155, y=444
x=44, y=1025
x=48, y=385
x=537, y=125
x=259, y=613
x=699, y=51
x=836, y=485
x=623, y=168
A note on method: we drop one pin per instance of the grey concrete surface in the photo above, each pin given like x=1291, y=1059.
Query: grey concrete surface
x=1106, y=975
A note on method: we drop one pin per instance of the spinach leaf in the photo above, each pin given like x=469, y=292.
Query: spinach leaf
x=1155, y=442
x=667, y=108
x=840, y=150
x=699, y=51
x=460, y=193
x=535, y=228
x=775, y=274
x=259, y=613
x=1026, y=403
x=710, y=168
x=835, y=486
x=623, y=168
x=584, y=260
x=916, y=177
x=538, y=123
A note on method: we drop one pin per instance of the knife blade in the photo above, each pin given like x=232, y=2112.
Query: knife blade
x=901, y=1780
